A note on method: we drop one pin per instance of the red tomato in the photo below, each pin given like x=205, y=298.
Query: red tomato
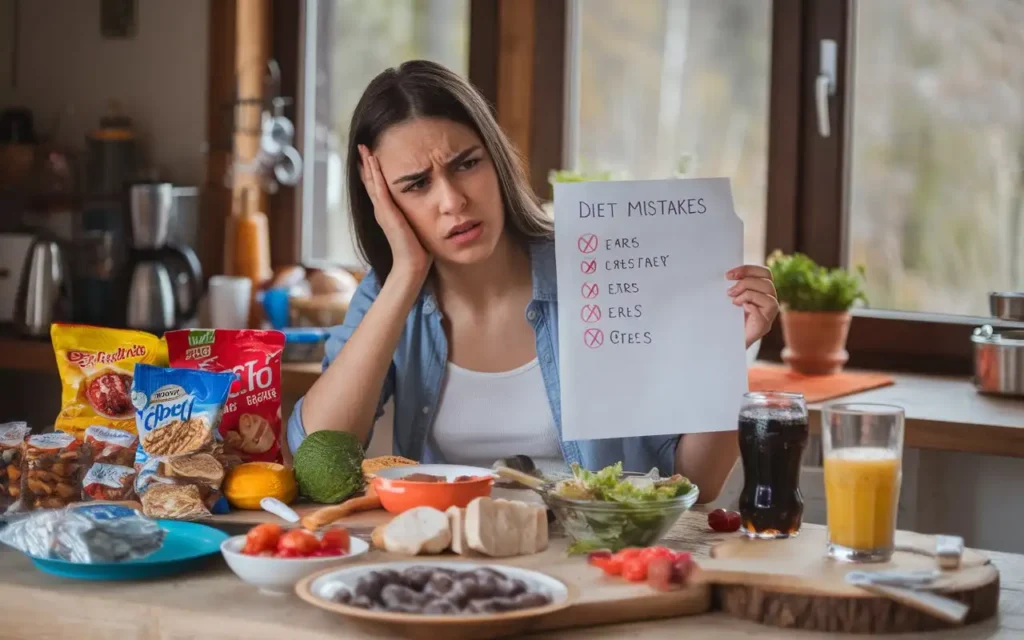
x=659, y=573
x=629, y=552
x=300, y=541
x=635, y=569
x=724, y=521
x=336, y=540
x=601, y=559
x=651, y=553
x=682, y=567
x=262, y=537
x=325, y=553
x=287, y=553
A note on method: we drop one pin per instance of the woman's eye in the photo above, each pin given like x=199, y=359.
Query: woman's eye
x=415, y=186
x=469, y=163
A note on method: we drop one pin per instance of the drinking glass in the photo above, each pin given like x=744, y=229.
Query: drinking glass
x=862, y=445
x=773, y=432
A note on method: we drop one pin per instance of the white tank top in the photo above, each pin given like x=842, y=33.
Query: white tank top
x=482, y=417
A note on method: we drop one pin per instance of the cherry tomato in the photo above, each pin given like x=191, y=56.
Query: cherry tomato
x=635, y=569
x=262, y=537
x=336, y=539
x=651, y=553
x=287, y=553
x=682, y=567
x=325, y=553
x=659, y=573
x=300, y=541
x=629, y=552
x=599, y=559
x=724, y=521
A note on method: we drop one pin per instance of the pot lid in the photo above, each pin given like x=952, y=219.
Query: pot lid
x=987, y=335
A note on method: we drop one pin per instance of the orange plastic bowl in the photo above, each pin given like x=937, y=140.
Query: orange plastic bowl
x=398, y=495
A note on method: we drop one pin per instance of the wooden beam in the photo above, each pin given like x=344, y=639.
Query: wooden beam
x=515, y=71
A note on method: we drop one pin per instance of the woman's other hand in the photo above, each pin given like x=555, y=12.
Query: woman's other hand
x=755, y=292
x=409, y=256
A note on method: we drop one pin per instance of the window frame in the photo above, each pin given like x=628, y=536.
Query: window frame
x=522, y=48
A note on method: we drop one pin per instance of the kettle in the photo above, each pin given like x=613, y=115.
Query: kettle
x=44, y=294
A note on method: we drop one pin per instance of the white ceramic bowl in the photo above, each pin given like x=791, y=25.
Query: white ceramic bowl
x=277, y=576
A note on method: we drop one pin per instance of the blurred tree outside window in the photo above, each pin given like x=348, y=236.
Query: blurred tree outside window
x=936, y=190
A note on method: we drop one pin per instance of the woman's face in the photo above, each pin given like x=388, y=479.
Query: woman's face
x=441, y=176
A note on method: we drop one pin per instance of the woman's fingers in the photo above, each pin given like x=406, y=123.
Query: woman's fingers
x=749, y=271
x=762, y=301
x=753, y=284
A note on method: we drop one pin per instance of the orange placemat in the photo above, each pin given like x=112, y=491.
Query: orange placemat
x=814, y=388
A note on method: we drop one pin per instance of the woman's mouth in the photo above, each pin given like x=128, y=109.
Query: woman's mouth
x=465, y=232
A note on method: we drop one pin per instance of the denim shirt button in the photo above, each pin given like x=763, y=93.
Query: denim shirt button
x=426, y=410
x=531, y=315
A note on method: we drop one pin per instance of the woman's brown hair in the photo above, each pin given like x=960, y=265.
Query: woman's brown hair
x=424, y=89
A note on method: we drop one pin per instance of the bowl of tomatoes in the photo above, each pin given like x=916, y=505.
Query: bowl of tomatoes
x=274, y=559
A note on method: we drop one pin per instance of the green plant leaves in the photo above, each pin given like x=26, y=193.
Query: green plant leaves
x=803, y=285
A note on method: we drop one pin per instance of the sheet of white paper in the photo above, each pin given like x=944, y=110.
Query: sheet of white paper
x=649, y=340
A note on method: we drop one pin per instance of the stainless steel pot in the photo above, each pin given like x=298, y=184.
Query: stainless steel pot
x=1007, y=305
x=999, y=361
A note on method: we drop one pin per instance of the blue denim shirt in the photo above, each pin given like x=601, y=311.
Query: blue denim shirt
x=416, y=372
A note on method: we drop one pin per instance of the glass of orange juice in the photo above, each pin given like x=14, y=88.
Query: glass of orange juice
x=863, y=454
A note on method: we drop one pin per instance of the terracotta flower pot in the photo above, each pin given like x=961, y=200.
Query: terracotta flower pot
x=815, y=340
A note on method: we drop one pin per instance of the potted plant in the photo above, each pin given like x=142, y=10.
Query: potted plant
x=815, y=311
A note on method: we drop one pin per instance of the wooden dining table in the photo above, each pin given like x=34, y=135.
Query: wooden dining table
x=212, y=603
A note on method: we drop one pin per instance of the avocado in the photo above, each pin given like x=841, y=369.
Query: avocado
x=328, y=466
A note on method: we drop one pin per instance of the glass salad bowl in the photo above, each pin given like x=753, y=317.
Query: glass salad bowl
x=612, y=510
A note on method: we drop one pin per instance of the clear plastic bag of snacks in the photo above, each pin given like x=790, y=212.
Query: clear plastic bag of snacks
x=111, y=446
x=51, y=471
x=12, y=442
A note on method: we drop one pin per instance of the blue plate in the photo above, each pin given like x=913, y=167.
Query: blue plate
x=186, y=546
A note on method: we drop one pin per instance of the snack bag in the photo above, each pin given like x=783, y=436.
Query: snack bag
x=96, y=366
x=12, y=441
x=110, y=446
x=177, y=414
x=251, y=427
x=109, y=482
x=51, y=471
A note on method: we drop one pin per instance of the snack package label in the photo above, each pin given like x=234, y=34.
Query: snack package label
x=110, y=446
x=96, y=366
x=251, y=427
x=109, y=482
x=177, y=414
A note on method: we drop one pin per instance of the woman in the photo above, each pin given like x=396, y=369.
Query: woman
x=457, y=317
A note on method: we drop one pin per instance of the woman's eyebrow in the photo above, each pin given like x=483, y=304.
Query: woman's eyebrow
x=458, y=159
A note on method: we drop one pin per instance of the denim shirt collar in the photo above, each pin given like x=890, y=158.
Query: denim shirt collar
x=542, y=267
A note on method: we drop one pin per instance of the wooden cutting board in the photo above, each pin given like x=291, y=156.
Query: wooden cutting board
x=792, y=583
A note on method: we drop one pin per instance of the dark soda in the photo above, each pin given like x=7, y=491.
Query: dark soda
x=771, y=447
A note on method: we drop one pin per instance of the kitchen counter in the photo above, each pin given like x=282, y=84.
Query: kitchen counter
x=943, y=413
x=212, y=603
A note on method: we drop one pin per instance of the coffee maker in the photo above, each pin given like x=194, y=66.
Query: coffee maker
x=152, y=302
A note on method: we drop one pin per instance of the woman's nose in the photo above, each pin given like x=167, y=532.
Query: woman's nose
x=452, y=200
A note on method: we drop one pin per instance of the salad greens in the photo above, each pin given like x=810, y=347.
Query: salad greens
x=622, y=511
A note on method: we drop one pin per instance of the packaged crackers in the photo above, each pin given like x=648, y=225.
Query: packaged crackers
x=251, y=427
x=178, y=411
x=51, y=471
x=12, y=442
x=96, y=366
x=111, y=471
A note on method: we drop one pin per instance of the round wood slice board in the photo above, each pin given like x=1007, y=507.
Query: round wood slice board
x=793, y=583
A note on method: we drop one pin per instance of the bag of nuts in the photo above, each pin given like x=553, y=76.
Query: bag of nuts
x=12, y=440
x=51, y=471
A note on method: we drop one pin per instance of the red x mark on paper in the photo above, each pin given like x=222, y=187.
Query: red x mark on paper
x=588, y=266
x=589, y=290
x=593, y=338
x=590, y=313
x=587, y=243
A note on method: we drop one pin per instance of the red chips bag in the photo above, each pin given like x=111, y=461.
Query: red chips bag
x=251, y=426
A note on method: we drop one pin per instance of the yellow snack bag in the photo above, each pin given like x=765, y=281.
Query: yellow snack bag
x=96, y=367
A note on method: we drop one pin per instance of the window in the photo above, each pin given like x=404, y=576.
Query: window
x=669, y=88
x=347, y=43
x=936, y=194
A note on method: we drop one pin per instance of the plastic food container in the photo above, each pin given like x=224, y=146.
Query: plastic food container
x=304, y=344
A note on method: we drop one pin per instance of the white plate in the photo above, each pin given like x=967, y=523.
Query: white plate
x=317, y=589
x=277, y=576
